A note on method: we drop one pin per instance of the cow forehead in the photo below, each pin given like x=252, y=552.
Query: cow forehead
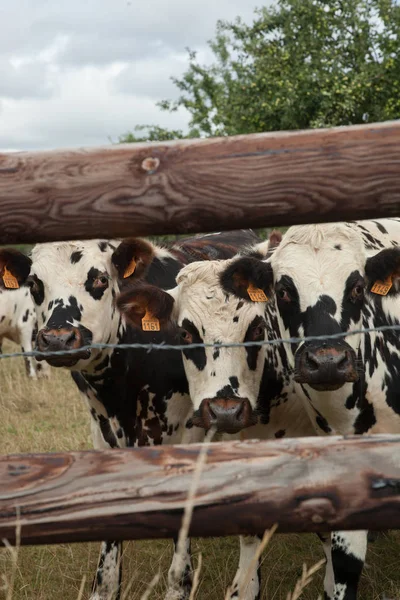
x=202, y=300
x=319, y=258
x=68, y=263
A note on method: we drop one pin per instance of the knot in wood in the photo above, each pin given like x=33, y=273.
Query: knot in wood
x=317, y=510
x=150, y=164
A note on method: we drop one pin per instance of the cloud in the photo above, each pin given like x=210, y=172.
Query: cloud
x=76, y=73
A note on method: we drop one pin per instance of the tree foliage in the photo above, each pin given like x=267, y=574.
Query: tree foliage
x=300, y=64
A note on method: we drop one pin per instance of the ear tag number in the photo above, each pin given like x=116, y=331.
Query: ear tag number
x=130, y=269
x=9, y=280
x=150, y=323
x=255, y=294
x=382, y=287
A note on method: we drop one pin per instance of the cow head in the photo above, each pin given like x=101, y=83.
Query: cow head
x=321, y=277
x=223, y=382
x=73, y=286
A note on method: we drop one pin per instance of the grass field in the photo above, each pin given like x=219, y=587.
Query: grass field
x=48, y=416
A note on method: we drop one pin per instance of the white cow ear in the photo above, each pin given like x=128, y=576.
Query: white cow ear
x=132, y=258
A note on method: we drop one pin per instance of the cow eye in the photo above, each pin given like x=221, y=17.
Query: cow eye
x=185, y=336
x=258, y=332
x=101, y=281
x=32, y=284
x=283, y=295
x=357, y=292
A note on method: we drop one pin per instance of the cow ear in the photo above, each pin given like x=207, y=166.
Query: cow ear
x=14, y=268
x=132, y=258
x=383, y=272
x=275, y=238
x=244, y=276
x=143, y=301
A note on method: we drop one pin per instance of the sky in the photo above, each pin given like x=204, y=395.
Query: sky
x=79, y=73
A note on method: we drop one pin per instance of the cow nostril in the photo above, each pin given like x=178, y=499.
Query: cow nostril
x=44, y=339
x=311, y=362
x=343, y=360
x=71, y=338
x=239, y=411
x=212, y=414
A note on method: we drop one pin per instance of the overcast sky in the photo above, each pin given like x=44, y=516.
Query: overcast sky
x=78, y=72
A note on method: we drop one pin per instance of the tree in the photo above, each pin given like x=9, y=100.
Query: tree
x=300, y=64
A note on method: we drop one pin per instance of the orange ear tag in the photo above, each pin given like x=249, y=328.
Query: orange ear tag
x=150, y=323
x=255, y=294
x=130, y=268
x=9, y=280
x=382, y=287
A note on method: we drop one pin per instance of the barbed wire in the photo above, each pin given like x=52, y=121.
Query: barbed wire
x=179, y=347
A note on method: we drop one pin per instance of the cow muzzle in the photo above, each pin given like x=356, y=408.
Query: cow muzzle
x=58, y=340
x=226, y=415
x=326, y=368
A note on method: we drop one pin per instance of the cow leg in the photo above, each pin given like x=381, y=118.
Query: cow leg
x=345, y=554
x=329, y=579
x=26, y=346
x=348, y=555
x=107, y=582
x=248, y=548
x=180, y=574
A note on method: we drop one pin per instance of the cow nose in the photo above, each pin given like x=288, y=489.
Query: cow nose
x=226, y=415
x=326, y=368
x=328, y=360
x=53, y=340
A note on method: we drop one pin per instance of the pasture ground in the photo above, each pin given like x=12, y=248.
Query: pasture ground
x=46, y=416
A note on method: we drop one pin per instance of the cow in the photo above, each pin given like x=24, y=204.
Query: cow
x=134, y=397
x=240, y=389
x=18, y=323
x=332, y=280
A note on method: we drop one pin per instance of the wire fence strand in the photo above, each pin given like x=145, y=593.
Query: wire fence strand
x=179, y=347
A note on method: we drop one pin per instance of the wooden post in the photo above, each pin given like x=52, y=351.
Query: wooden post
x=309, y=484
x=201, y=185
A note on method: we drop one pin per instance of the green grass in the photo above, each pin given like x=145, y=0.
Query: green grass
x=49, y=415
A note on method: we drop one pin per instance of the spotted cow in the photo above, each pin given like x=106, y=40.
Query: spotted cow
x=18, y=323
x=232, y=389
x=135, y=398
x=329, y=280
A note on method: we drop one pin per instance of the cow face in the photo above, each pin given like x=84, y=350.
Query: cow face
x=223, y=382
x=73, y=286
x=320, y=276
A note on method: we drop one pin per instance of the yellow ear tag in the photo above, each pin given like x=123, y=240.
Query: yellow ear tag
x=9, y=280
x=130, y=268
x=382, y=287
x=150, y=323
x=255, y=294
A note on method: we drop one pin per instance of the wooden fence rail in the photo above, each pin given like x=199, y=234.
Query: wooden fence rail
x=308, y=484
x=201, y=185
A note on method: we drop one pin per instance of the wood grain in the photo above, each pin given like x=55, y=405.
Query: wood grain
x=201, y=185
x=309, y=484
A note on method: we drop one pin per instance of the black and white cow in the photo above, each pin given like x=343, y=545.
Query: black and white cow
x=18, y=323
x=232, y=389
x=333, y=279
x=134, y=397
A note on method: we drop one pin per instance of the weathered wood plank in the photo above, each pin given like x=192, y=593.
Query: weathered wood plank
x=305, y=485
x=201, y=185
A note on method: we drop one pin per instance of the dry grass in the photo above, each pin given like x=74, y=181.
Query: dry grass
x=49, y=416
